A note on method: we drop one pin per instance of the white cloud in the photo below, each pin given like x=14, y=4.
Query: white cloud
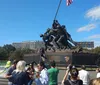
x=87, y=27
x=93, y=13
x=96, y=43
x=96, y=36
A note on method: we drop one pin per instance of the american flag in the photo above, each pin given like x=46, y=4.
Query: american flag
x=69, y=2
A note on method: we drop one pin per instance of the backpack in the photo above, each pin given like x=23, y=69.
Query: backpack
x=14, y=77
x=18, y=78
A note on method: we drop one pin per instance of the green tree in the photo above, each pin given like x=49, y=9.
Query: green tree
x=27, y=51
x=9, y=48
x=17, y=54
x=97, y=50
x=3, y=54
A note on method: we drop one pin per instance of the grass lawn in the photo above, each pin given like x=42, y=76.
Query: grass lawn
x=3, y=62
x=88, y=69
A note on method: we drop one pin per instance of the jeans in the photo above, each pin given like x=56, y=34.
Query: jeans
x=30, y=82
x=9, y=83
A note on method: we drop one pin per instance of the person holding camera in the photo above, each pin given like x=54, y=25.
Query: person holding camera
x=42, y=75
x=74, y=80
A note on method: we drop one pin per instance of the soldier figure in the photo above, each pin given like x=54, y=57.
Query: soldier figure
x=42, y=54
x=57, y=35
x=55, y=24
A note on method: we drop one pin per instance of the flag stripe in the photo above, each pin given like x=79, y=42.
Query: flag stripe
x=69, y=2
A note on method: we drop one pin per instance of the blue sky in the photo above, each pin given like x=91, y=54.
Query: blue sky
x=25, y=20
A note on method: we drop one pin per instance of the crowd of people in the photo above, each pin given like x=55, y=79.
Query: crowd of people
x=38, y=74
x=34, y=74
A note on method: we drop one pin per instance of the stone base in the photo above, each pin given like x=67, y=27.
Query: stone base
x=71, y=57
x=58, y=57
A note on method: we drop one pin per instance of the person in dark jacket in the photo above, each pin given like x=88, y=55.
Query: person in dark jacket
x=20, y=76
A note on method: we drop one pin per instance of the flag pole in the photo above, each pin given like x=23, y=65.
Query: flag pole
x=57, y=9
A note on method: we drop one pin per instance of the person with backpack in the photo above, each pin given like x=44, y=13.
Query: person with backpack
x=19, y=75
x=74, y=80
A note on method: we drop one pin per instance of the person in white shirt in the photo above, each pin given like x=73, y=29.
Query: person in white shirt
x=98, y=73
x=43, y=76
x=84, y=76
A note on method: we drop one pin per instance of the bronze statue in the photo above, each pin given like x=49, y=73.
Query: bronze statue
x=57, y=37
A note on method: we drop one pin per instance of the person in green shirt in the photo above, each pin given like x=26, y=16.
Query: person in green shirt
x=53, y=74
